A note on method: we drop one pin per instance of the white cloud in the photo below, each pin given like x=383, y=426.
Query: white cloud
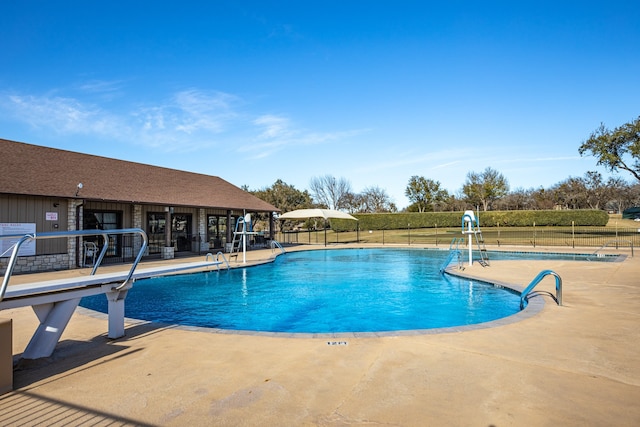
x=104, y=90
x=273, y=127
x=188, y=120
x=59, y=114
x=276, y=133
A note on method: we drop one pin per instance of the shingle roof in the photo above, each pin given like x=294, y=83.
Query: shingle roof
x=41, y=171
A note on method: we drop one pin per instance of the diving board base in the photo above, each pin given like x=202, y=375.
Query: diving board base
x=116, y=313
x=54, y=318
x=55, y=301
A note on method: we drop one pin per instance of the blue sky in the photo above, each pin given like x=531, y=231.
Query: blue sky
x=370, y=91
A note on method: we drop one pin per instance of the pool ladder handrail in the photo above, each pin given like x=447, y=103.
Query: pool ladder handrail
x=217, y=259
x=274, y=243
x=536, y=281
x=453, y=248
x=449, y=259
x=456, y=241
x=616, y=241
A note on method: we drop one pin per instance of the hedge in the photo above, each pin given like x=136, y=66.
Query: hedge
x=395, y=221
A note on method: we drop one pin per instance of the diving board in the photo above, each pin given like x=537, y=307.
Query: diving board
x=55, y=301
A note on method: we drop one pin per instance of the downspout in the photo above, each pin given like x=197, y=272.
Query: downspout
x=79, y=209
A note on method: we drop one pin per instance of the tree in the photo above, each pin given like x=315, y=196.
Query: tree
x=330, y=192
x=543, y=199
x=621, y=194
x=570, y=193
x=284, y=196
x=615, y=149
x=484, y=188
x=517, y=200
x=425, y=193
x=375, y=200
x=597, y=191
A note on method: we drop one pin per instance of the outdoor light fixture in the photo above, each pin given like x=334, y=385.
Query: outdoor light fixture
x=79, y=187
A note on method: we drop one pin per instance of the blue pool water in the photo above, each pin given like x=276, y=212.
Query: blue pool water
x=323, y=291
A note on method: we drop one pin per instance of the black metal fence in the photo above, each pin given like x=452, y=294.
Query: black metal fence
x=593, y=237
x=124, y=248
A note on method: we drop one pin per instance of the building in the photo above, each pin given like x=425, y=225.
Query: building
x=45, y=189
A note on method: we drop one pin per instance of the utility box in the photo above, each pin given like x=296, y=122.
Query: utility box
x=6, y=356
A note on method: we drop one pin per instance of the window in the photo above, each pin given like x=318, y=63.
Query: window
x=216, y=231
x=104, y=220
x=180, y=231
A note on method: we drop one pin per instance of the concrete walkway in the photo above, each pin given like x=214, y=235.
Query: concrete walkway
x=578, y=364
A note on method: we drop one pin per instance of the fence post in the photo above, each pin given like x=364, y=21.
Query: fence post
x=534, y=234
x=409, y=234
x=573, y=234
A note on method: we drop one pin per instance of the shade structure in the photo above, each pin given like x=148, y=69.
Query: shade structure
x=316, y=213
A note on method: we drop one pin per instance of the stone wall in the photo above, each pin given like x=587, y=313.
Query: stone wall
x=38, y=263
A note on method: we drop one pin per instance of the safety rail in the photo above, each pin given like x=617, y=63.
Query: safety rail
x=274, y=244
x=536, y=281
x=456, y=241
x=616, y=241
x=452, y=254
x=454, y=250
x=23, y=238
x=217, y=259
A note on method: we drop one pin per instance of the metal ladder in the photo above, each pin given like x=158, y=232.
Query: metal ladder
x=236, y=243
x=484, y=255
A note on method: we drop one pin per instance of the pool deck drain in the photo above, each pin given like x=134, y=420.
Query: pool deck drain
x=578, y=364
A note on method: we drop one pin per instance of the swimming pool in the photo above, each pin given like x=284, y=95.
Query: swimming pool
x=322, y=291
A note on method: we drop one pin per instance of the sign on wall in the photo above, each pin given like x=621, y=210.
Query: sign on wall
x=19, y=229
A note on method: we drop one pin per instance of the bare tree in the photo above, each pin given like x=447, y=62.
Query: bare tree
x=331, y=192
x=375, y=200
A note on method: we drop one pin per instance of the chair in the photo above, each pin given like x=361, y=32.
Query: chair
x=90, y=252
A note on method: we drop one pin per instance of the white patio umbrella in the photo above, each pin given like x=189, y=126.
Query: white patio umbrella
x=317, y=213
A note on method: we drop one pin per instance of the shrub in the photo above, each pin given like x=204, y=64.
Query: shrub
x=404, y=220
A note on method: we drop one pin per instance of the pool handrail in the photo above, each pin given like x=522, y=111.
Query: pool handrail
x=455, y=243
x=22, y=238
x=616, y=241
x=453, y=253
x=536, y=281
x=217, y=259
x=274, y=243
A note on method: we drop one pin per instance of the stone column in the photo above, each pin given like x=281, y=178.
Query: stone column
x=202, y=230
x=168, y=251
x=75, y=216
x=136, y=217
